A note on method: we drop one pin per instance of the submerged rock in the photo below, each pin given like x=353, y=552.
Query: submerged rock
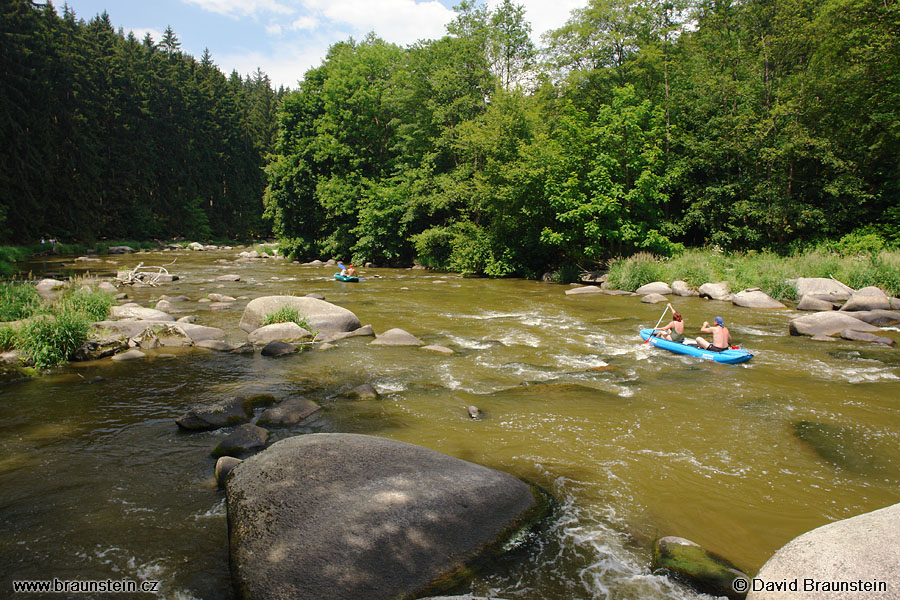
x=584, y=289
x=844, y=447
x=689, y=563
x=878, y=318
x=289, y=412
x=365, y=390
x=234, y=411
x=859, y=336
x=438, y=349
x=128, y=356
x=860, y=549
x=353, y=516
x=277, y=348
x=243, y=440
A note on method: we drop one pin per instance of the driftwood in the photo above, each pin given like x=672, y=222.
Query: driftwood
x=143, y=274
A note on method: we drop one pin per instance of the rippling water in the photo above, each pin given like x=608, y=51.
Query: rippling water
x=96, y=480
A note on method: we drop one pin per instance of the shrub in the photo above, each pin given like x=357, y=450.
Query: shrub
x=18, y=301
x=286, y=314
x=633, y=272
x=50, y=341
x=433, y=247
x=859, y=242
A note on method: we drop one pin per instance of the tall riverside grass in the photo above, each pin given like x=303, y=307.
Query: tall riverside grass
x=286, y=314
x=765, y=270
x=55, y=330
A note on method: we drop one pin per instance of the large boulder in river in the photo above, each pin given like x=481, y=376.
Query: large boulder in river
x=657, y=287
x=243, y=440
x=859, y=551
x=755, y=298
x=681, y=288
x=322, y=316
x=879, y=318
x=715, y=291
x=868, y=298
x=354, y=516
x=822, y=287
x=828, y=323
x=136, y=311
x=286, y=332
x=811, y=302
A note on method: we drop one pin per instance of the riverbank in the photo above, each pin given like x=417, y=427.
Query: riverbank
x=772, y=273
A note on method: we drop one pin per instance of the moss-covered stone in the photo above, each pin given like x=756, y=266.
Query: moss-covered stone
x=690, y=564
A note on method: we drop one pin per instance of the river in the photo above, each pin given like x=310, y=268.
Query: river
x=97, y=481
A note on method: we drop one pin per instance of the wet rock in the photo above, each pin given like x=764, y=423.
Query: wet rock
x=129, y=356
x=387, y=519
x=438, y=349
x=815, y=303
x=862, y=548
x=243, y=440
x=96, y=348
x=396, y=337
x=366, y=390
x=681, y=288
x=755, y=298
x=364, y=331
x=584, y=289
x=136, y=311
x=293, y=411
x=225, y=413
x=828, y=323
x=617, y=292
x=105, y=286
x=230, y=277
x=217, y=345
x=322, y=316
x=657, y=287
x=188, y=319
x=245, y=348
x=868, y=298
x=220, y=298
x=689, y=563
x=822, y=287
x=164, y=306
x=277, y=348
x=473, y=411
x=859, y=336
x=715, y=291
x=654, y=299
x=592, y=277
x=315, y=295
x=220, y=305
x=286, y=332
x=223, y=467
x=325, y=346
x=878, y=318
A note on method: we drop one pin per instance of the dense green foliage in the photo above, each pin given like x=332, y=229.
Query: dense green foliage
x=642, y=126
x=765, y=270
x=18, y=301
x=104, y=136
x=649, y=126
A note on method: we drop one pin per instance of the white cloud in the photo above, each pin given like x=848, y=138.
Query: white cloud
x=242, y=8
x=305, y=23
x=399, y=21
x=544, y=15
x=140, y=32
x=285, y=65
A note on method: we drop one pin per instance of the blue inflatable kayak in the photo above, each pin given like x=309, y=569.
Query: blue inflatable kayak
x=340, y=277
x=729, y=357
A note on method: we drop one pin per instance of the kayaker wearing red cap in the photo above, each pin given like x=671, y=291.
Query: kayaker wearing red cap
x=721, y=336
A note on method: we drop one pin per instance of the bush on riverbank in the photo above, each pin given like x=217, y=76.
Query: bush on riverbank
x=56, y=329
x=765, y=270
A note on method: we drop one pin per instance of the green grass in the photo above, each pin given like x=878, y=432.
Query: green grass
x=18, y=301
x=765, y=270
x=56, y=329
x=286, y=314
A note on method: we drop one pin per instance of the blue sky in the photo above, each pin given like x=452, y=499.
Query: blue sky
x=286, y=37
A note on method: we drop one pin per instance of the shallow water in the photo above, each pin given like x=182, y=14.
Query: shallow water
x=97, y=482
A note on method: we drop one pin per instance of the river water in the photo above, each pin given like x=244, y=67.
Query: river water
x=97, y=481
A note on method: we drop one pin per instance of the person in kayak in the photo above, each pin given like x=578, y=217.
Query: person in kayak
x=674, y=331
x=720, y=334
